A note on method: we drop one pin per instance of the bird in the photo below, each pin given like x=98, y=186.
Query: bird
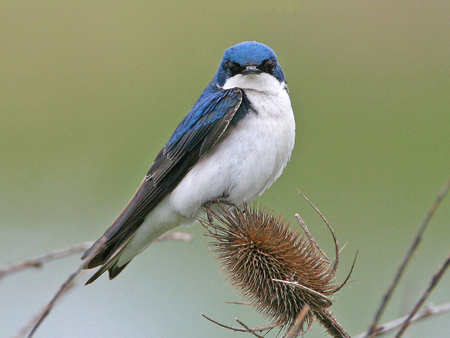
x=230, y=147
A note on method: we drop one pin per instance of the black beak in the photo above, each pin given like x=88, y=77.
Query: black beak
x=251, y=70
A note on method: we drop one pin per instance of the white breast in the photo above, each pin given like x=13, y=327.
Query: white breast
x=251, y=156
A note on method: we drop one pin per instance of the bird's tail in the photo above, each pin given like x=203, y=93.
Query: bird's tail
x=111, y=265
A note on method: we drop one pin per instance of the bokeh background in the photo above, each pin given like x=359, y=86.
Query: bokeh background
x=91, y=90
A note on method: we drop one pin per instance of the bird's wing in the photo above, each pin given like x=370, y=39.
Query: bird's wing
x=196, y=135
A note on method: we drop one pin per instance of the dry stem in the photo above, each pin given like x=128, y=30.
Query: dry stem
x=434, y=281
x=385, y=328
x=33, y=324
x=245, y=329
x=406, y=260
x=296, y=329
x=37, y=261
x=36, y=321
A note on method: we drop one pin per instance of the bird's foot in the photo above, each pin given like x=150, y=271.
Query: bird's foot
x=219, y=200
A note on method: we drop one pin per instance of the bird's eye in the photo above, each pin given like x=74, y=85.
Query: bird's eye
x=268, y=66
x=233, y=67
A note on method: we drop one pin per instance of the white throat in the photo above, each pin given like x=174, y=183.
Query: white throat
x=263, y=82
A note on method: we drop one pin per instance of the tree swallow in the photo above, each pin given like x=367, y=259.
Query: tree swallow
x=231, y=146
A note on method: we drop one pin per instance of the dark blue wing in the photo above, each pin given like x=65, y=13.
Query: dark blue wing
x=205, y=113
x=202, y=127
x=196, y=135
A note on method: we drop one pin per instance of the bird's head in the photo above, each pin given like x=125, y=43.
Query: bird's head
x=249, y=65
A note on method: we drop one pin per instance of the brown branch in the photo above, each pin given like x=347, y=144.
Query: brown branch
x=434, y=281
x=296, y=329
x=240, y=303
x=37, y=262
x=406, y=260
x=310, y=237
x=30, y=328
x=392, y=325
x=336, y=244
x=37, y=320
x=249, y=330
x=239, y=329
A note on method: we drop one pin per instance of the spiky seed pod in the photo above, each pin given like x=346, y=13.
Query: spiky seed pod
x=257, y=250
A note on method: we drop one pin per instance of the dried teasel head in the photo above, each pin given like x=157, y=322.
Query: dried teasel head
x=276, y=269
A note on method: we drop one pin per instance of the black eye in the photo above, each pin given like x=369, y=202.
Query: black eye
x=268, y=66
x=233, y=67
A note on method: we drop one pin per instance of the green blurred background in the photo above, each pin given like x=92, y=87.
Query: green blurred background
x=91, y=90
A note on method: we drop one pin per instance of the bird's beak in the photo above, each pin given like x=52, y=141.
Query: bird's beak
x=250, y=70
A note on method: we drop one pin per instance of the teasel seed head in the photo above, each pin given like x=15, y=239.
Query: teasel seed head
x=275, y=268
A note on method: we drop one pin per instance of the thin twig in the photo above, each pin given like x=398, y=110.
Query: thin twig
x=249, y=329
x=338, y=251
x=434, y=281
x=239, y=329
x=390, y=326
x=342, y=248
x=408, y=256
x=336, y=244
x=310, y=237
x=37, y=262
x=296, y=329
x=37, y=320
x=347, y=279
x=240, y=303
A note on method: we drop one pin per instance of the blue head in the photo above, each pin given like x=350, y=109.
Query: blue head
x=248, y=58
